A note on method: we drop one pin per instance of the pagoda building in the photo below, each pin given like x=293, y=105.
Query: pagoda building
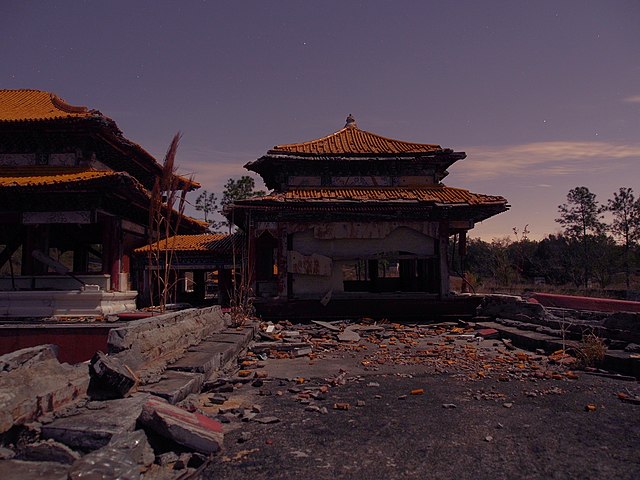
x=356, y=224
x=74, y=195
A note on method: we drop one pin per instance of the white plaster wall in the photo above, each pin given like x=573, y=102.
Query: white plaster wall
x=401, y=239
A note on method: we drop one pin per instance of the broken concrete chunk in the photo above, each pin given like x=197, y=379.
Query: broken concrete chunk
x=135, y=445
x=89, y=430
x=48, y=451
x=349, y=335
x=105, y=464
x=21, y=470
x=110, y=378
x=327, y=325
x=301, y=352
x=27, y=356
x=167, y=458
x=266, y=420
x=191, y=430
x=6, y=453
x=34, y=383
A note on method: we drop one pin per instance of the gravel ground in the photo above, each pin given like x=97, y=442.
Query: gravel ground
x=513, y=422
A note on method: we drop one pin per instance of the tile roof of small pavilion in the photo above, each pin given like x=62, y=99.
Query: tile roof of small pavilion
x=189, y=243
x=350, y=140
x=216, y=243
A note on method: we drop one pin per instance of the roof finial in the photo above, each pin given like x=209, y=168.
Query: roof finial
x=351, y=122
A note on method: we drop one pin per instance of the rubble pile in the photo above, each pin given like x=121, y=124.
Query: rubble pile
x=454, y=348
x=105, y=419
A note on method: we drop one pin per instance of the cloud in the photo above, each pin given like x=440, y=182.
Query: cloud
x=543, y=158
x=212, y=168
x=633, y=99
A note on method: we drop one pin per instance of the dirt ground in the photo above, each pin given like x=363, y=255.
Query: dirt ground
x=409, y=401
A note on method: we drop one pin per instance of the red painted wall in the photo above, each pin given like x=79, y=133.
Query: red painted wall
x=77, y=343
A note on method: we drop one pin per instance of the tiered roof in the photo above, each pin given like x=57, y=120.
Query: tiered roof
x=33, y=107
x=352, y=151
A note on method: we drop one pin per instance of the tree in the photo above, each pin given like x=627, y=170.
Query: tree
x=553, y=260
x=626, y=223
x=240, y=189
x=208, y=204
x=581, y=218
x=606, y=263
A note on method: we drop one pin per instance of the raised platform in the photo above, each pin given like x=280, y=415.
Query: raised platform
x=65, y=303
x=584, y=303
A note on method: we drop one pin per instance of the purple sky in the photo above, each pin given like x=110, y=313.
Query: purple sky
x=542, y=95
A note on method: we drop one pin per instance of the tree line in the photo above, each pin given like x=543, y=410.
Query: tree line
x=589, y=252
x=209, y=204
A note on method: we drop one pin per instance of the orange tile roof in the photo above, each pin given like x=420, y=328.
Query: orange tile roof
x=37, y=105
x=437, y=194
x=44, y=175
x=190, y=243
x=352, y=140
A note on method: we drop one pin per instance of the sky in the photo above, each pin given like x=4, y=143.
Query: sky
x=543, y=95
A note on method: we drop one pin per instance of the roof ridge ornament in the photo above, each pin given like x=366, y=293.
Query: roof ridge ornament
x=351, y=122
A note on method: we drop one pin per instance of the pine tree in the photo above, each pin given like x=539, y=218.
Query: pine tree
x=626, y=223
x=581, y=218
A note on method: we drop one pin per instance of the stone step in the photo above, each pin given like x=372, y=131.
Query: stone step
x=242, y=335
x=207, y=357
x=175, y=386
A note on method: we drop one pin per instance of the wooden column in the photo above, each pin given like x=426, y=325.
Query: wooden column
x=199, y=289
x=112, y=250
x=36, y=238
x=462, y=251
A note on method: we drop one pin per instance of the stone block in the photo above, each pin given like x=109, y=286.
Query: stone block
x=127, y=455
x=91, y=429
x=191, y=430
x=110, y=378
x=48, y=451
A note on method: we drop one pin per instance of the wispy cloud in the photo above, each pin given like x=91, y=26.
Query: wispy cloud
x=633, y=99
x=212, y=168
x=543, y=158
